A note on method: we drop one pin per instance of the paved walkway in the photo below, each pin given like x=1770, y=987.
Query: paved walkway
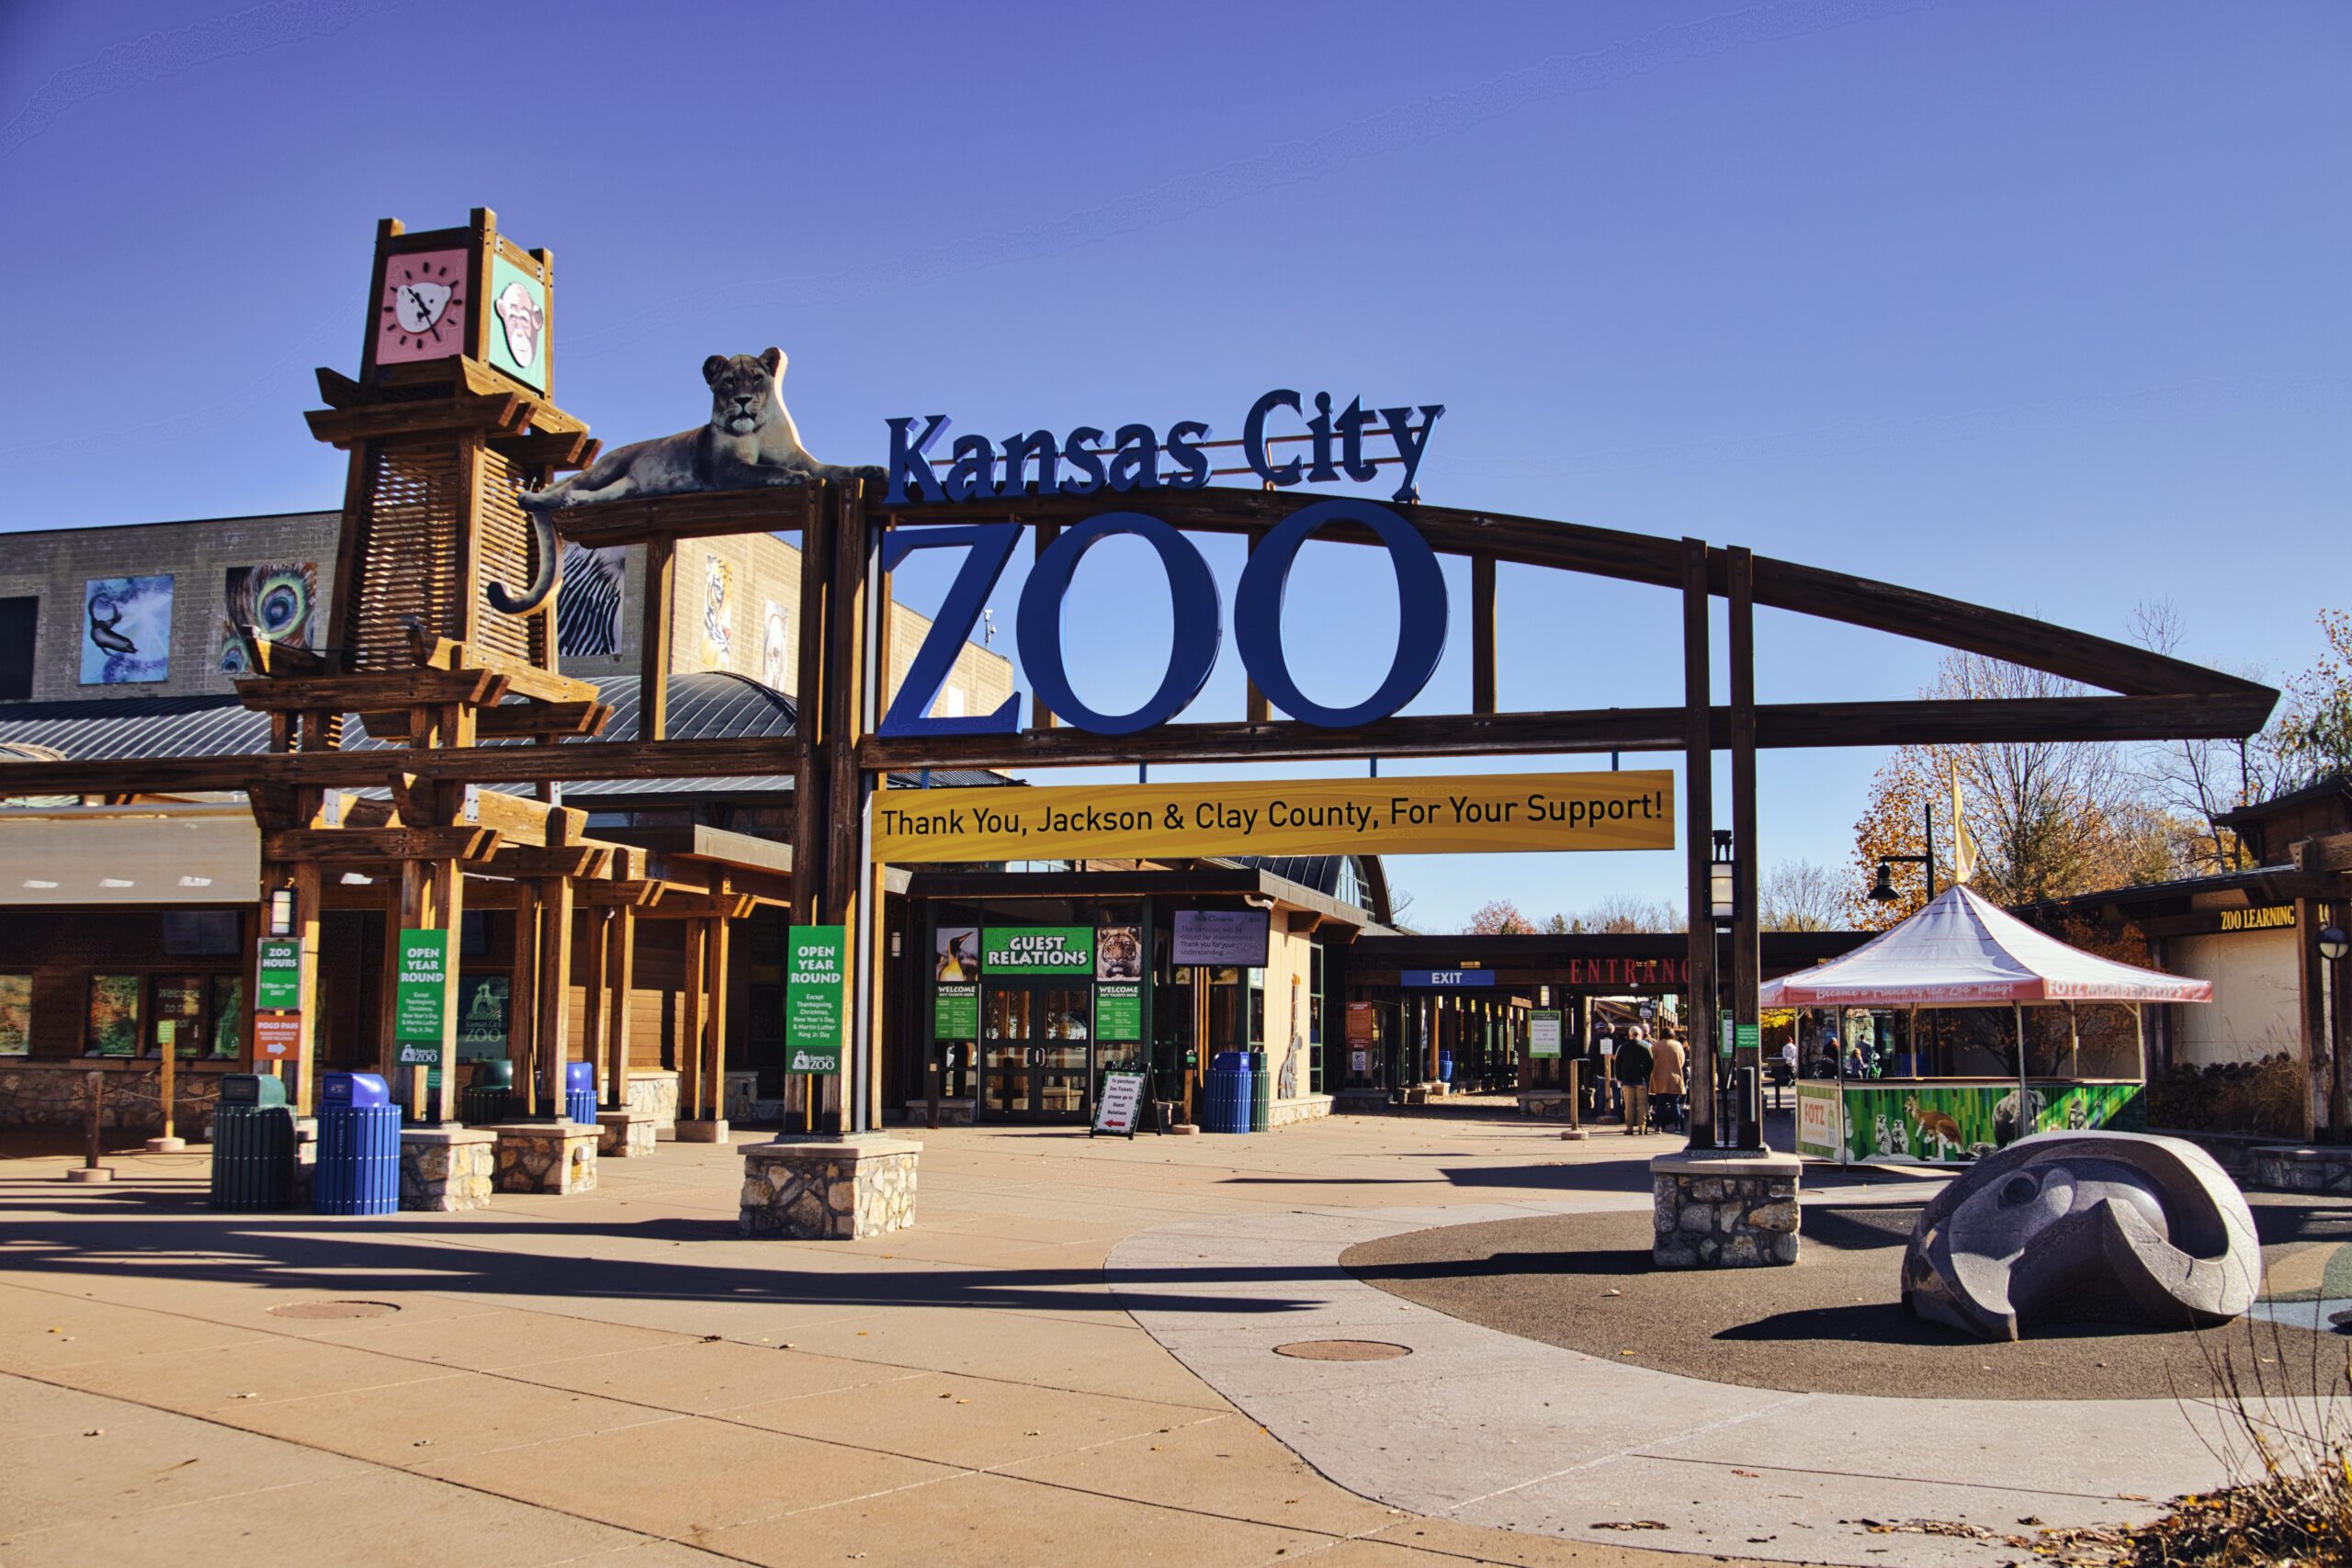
x=617, y=1377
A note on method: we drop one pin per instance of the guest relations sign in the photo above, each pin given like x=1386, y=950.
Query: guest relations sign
x=1483, y=812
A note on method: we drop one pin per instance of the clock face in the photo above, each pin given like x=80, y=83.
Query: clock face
x=423, y=313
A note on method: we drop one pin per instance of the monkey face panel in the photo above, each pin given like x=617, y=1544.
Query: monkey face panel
x=2085, y=1226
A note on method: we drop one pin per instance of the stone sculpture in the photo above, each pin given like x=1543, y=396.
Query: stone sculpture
x=2085, y=1226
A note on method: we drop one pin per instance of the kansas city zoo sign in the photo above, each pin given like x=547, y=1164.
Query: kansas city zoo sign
x=979, y=470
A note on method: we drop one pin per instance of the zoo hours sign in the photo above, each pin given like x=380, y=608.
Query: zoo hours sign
x=812, y=998
x=978, y=469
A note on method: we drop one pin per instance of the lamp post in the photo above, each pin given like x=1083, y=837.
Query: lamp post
x=1883, y=890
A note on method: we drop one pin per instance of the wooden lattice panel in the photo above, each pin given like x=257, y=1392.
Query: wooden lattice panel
x=407, y=559
x=503, y=548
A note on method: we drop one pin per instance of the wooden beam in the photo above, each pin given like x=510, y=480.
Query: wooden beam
x=522, y=993
x=368, y=768
x=1746, y=949
x=551, y=449
x=638, y=893
x=781, y=509
x=468, y=411
x=653, y=639
x=619, y=966
x=365, y=692
x=505, y=722
x=381, y=844
x=1641, y=558
x=594, y=1003
x=564, y=860
x=2329, y=855
x=694, y=1003
x=1699, y=820
x=554, y=990
x=1481, y=633
x=714, y=1076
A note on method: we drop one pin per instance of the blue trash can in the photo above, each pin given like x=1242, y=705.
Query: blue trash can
x=1445, y=1066
x=1228, y=1093
x=580, y=1092
x=359, y=1147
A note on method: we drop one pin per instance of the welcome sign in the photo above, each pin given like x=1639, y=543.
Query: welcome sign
x=1484, y=813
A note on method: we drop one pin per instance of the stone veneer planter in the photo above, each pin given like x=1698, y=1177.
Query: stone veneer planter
x=624, y=1134
x=655, y=1092
x=1733, y=1210
x=448, y=1169
x=546, y=1156
x=2288, y=1167
x=839, y=1190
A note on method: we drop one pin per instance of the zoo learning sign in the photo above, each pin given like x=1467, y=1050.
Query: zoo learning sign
x=1630, y=810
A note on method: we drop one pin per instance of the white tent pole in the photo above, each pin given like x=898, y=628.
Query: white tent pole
x=2024, y=1107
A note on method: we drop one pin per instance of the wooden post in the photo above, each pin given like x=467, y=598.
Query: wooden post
x=619, y=966
x=689, y=1023
x=592, y=996
x=522, y=1005
x=306, y=927
x=653, y=640
x=450, y=885
x=554, y=988
x=167, y=1039
x=714, y=1021
x=1746, y=956
x=1481, y=633
x=415, y=914
x=1698, y=817
x=97, y=1117
x=2313, y=972
x=849, y=687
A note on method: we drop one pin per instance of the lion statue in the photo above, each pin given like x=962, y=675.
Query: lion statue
x=749, y=441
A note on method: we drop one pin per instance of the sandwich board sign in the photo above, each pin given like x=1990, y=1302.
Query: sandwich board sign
x=1121, y=1104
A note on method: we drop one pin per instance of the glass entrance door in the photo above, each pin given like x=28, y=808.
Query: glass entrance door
x=1036, y=1050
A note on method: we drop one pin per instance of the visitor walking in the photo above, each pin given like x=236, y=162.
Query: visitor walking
x=1634, y=1060
x=1666, y=1086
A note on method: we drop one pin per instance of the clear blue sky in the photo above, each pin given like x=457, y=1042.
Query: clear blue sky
x=2040, y=306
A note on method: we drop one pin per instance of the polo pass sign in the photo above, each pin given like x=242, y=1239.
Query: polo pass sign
x=812, y=998
x=1482, y=812
x=421, y=998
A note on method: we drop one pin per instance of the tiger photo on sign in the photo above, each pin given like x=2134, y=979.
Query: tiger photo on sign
x=1118, y=953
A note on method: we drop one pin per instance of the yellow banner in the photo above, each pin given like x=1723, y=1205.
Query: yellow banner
x=1284, y=816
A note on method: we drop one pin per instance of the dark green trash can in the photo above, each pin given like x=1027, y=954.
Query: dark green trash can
x=1261, y=1096
x=253, y=1145
x=491, y=1097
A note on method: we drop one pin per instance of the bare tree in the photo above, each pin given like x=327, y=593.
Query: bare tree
x=1621, y=912
x=1798, y=896
x=2201, y=780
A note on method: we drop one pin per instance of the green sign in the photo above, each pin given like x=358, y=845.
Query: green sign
x=281, y=974
x=815, y=972
x=1038, y=950
x=1543, y=1033
x=1751, y=1036
x=1911, y=1123
x=421, y=998
x=1118, y=1012
x=956, y=1013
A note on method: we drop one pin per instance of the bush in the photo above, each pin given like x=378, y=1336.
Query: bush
x=2262, y=1099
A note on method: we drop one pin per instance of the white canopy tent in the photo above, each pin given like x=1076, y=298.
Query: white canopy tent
x=1961, y=951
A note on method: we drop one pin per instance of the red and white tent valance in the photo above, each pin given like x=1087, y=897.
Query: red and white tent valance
x=1962, y=952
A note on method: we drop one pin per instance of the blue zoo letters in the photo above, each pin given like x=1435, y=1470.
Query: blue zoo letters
x=1199, y=618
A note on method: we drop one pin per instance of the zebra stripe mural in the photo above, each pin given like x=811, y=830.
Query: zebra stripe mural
x=588, y=607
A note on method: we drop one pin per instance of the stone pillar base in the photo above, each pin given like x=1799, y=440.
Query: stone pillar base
x=546, y=1156
x=447, y=1170
x=167, y=1145
x=841, y=1190
x=624, y=1134
x=90, y=1173
x=694, y=1132
x=1729, y=1209
x=2285, y=1168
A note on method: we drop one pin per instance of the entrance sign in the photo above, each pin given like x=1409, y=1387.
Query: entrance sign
x=812, y=998
x=421, y=998
x=1038, y=950
x=1122, y=1099
x=1220, y=939
x=1198, y=613
x=1483, y=812
x=1543, y=1033
x=279, y=981
x=1135, y=453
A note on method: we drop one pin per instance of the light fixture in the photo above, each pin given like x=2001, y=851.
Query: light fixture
x=1723, y=880
x=2332, y=944
x=894, y=944
x=281, y=911
x=1883, y=890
